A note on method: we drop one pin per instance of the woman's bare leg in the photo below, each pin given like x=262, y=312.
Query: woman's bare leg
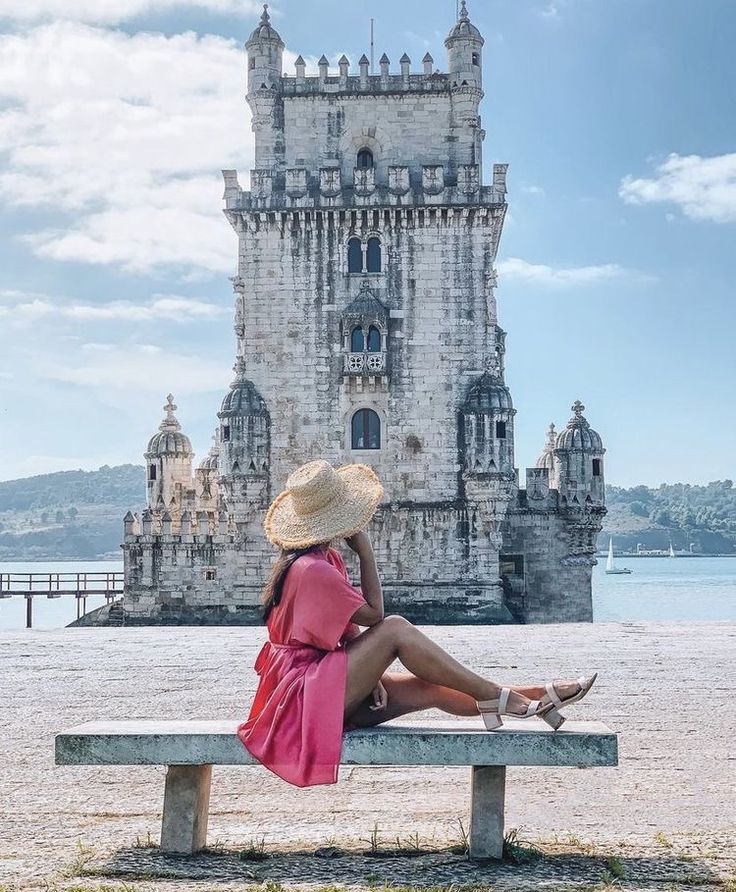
x=370, y=654
x=407, y=693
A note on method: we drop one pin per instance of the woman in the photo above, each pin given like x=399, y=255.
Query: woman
x=319, y=674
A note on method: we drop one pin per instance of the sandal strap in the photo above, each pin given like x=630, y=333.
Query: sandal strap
x=532, y=708
x=552, y=693
x=503, y=700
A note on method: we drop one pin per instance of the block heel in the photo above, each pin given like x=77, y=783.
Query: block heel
x=492, y=710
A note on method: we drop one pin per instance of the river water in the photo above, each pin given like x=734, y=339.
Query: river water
x=661, y=589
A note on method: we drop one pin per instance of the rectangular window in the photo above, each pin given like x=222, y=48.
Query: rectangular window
x=210, y=574
x=476, y=59
x=152, y=472
x=226, y=433
x=501, y=430
x=597, y=469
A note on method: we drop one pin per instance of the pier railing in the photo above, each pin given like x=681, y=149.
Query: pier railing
x=58, y=585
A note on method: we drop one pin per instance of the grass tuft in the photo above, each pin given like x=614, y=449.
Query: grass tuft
x=255, y=851
x=518, y=851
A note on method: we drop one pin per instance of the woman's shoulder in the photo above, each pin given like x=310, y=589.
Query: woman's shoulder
x=317, y=565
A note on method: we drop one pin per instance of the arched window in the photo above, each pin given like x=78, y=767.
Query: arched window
x=374, y=340
x=355, y=256
x=374, y=255
x=365, y=159
x=357, y=341
x=366, y=430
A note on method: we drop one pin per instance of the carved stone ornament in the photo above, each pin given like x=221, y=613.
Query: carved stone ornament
x=433, y=179
x=329, y=181
x=261, y=183
x=398, y=180
x=365, y=180
x=468, y=178
x=296, y=182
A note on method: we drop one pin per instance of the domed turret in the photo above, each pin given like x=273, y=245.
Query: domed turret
x=488, y=428
x=169, y=462
x=206, y=479
x=169, y=440
x=547, y=458
x=579, y=461
x=244, y=428
x=465, y=52
x=265, y=55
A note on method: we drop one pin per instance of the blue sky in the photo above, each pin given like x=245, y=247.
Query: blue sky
x=616, y=266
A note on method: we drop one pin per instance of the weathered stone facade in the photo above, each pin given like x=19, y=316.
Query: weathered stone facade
x=366, y=326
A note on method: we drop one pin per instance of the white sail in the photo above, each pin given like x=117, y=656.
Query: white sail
x=672, y=551
x=609, y=562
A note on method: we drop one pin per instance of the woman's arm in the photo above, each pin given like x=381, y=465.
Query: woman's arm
x=370, y=584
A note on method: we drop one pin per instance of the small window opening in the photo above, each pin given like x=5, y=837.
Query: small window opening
x=210, y=574
x=365, y=159
x=152, y=472
x=366, y=430
x=226, y=433
x=374, y=340
x=501, y=430
x=355, y=256
x=374, y=255
x=252, y=63
x=357, y=341
x=476, y=58
x=597, y=467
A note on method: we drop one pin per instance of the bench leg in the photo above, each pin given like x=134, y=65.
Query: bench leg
x=186, y=808
x=488, y=792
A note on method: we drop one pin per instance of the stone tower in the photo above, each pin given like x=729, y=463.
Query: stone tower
x=367, y=331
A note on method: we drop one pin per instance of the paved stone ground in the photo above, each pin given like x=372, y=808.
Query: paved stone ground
x=664, y=819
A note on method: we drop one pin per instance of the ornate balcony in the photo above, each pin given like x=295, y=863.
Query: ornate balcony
x=365, y=364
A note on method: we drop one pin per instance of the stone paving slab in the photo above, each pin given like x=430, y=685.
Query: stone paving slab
x=667, y=811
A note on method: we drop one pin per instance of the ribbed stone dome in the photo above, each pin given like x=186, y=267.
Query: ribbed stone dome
x=211, y=461
x=169, y=440
x=464, y=27
x=579, y=436
x=488, y=394
x=243, y=398
x=547, y=458
x=265, y=30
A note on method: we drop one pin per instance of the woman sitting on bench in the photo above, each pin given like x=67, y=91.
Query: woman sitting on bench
x=319, y=674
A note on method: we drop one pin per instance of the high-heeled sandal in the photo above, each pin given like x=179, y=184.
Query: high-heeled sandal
x=553, y=714
x=492, y=710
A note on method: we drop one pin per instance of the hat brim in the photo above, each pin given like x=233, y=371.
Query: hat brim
x=342, y=517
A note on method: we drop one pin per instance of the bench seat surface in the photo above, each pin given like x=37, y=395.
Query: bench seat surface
x=453, y=742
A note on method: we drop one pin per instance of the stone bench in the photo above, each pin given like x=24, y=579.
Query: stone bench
x=191, y=748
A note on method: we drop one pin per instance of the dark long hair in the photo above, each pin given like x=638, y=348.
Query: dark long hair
x=274, y=587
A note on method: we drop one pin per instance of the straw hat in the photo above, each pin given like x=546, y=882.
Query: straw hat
x=321, y=503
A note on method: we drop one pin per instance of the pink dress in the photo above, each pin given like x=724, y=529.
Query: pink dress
x=295, y=724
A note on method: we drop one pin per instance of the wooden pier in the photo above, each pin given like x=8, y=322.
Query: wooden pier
x=59, y=585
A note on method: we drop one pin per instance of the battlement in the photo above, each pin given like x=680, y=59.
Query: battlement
x=432, y=185
x=365, y=84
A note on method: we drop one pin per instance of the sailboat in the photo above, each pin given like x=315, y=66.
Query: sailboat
x=672, y=550
x=610, y=564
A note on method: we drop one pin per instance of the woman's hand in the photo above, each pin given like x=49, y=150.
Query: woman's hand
x=379, y=697
x=360, y=543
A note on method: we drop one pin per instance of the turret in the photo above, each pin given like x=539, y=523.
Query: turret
x=487, y=428
x=465, y=52
x=168, y=463
x=578, y=459
x=265, y=50
x=206, y=479
x=245, y=431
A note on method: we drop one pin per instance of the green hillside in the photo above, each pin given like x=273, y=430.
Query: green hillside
x=69, y=514
x=79, y=515
x=703, y=517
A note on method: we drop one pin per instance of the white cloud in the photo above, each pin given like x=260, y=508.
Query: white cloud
x=30, y=307
x=541, y=274
x=142, y=369
x=531, y=189
x=128, y=133
x=113, y=11
x=703, y=188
